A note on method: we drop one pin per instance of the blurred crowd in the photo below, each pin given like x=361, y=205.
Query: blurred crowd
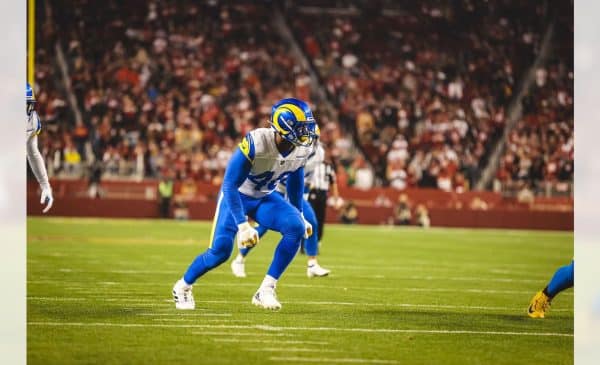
x=171, y=86
x=422, y=89
x=539, y=156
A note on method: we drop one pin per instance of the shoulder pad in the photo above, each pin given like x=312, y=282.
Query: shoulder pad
x=262, y=140
x=247, y=147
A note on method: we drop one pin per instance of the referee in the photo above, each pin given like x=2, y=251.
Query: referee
x=322, y=179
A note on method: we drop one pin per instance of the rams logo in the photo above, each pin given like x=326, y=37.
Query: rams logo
x=245, y=146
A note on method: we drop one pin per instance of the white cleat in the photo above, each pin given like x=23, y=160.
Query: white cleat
x=266, y=298
x=183, y=297
x=315, y=270
x=238, y=268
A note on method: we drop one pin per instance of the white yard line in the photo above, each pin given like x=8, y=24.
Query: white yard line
x=292, y=274
x=186, y=314
x=240, y=334
x=329, y=360
x=290, y=349
x=285, y=285
x=237, y=340
x=59, y=299
x=408, y=305
x=470, y=278
x=194, y=320
x=473, y=290
x=275, y=328
x=403, y=305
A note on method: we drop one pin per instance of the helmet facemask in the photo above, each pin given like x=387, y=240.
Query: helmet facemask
x=303, y=134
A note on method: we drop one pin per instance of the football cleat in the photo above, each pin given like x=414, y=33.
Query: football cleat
x=182, y=295
x=315, y=270
x=539, y=305
x=238, y=268
x=266, y=298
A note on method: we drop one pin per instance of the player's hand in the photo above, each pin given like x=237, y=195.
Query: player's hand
x=246, y=235
x=47, y=198
x=336, y=202
x=308, y=230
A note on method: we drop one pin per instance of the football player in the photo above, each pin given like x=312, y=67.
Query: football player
x=36, y=161
x=563, y=279
x=264, y=157
x=311, y=245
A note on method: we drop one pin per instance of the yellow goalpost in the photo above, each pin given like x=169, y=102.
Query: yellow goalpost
x=30, y=41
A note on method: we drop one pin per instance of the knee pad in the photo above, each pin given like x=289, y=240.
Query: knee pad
x=294, y=228
x=221, y=248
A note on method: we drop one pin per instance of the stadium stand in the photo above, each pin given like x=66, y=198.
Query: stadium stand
x=422, y=88
x=539, y=156
x=172, y=86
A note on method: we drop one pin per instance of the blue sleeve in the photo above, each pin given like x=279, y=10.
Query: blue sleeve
x=295, y=188
x=236, y=172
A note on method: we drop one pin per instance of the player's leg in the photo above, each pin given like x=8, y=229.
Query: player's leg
x=563, y=279
x=221, y=244
x=238, y=265
x=290, y=224
x=311, y=244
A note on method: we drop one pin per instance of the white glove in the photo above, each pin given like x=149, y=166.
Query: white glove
x=308, y=230
x=47, y=198
x=335, y=202
x=247, y=236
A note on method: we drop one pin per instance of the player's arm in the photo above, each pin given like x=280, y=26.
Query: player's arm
x=236, y=173
x=295, y=191
x=295, y=188
x=36, y=161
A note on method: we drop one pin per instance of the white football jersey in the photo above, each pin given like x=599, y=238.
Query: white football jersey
x=317, y=156
x=34, y=126
x=269, y=167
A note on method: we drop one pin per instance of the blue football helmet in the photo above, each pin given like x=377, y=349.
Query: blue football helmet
x=29, y=98
x=294, y=121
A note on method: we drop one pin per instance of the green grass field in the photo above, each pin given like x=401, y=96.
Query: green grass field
x=99, y=292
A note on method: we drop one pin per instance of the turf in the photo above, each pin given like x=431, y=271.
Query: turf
x=99, y=293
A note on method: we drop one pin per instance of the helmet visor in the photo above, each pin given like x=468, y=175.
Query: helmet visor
x=305, y=133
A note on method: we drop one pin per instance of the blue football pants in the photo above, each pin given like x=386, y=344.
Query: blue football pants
x=273, y=212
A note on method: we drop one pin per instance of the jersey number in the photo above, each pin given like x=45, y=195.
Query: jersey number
x=263, y=179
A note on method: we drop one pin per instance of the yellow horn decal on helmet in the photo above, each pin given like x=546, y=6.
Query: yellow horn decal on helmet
x=276, y=121
x=298, y=113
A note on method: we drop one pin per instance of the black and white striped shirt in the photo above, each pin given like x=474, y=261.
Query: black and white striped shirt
x=323, y=176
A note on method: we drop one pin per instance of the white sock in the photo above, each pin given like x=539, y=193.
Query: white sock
x=184, y=284
x=268, y=282
x=240, y=258
x=312, y=262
